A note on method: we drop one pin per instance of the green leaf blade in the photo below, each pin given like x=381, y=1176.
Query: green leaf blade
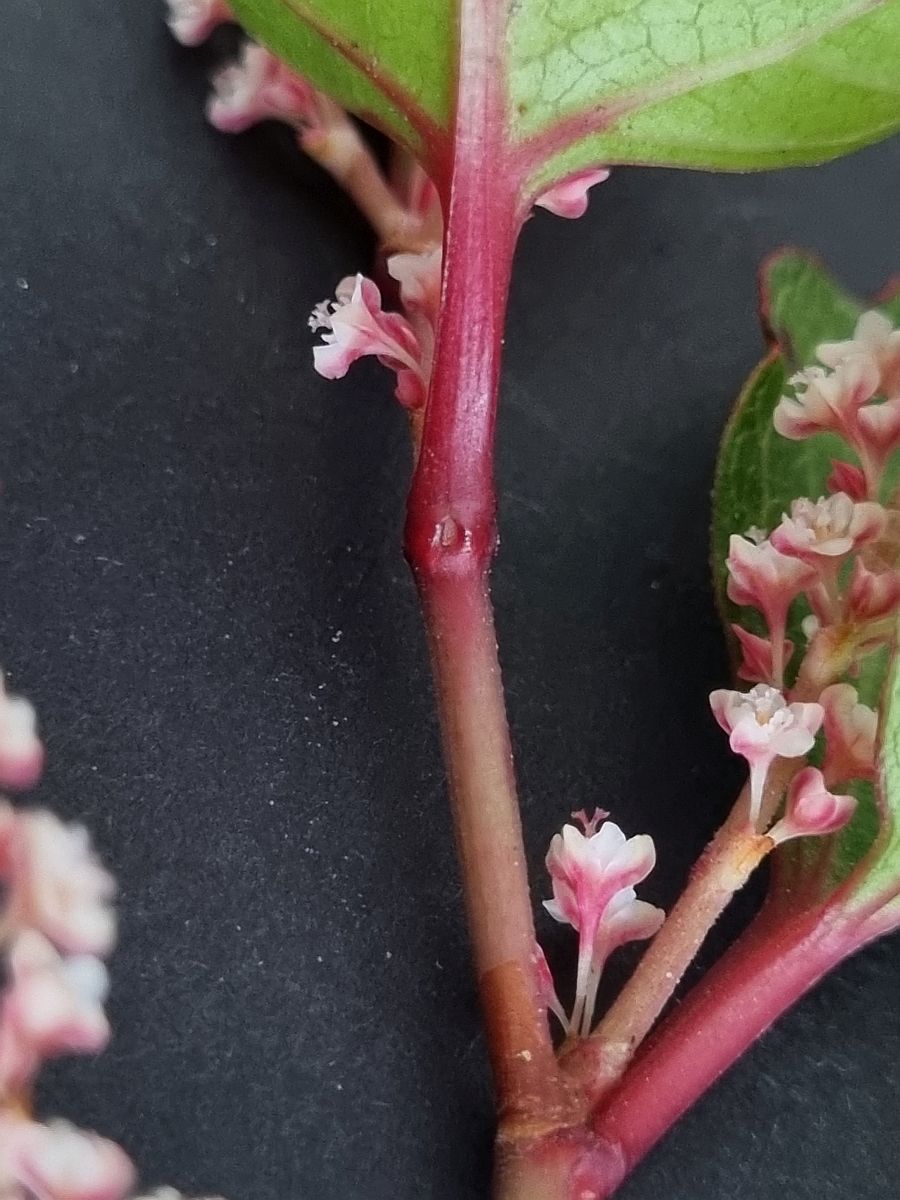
x=392, y=64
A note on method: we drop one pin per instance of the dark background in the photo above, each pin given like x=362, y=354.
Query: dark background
x=203, y=592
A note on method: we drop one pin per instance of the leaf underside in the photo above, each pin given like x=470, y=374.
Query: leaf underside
x=759, y=473
x=725, y=84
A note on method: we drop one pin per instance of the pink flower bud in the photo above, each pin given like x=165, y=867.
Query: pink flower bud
x=762, y=577
x=260, y=87
x=53, y=1006
x=850, y=733
x=811, y=809
x=847, y=478
x=569, y=197
x=355, y=325
x=192, y=21
x=59, y=1162
x=873, y=594
x=762, y=726
x=758, y=663
x=55, y=883
x=21, y=752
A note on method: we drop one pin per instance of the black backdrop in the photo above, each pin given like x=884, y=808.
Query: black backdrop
x=202, y=590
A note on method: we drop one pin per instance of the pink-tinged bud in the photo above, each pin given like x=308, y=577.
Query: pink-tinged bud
x=569, y=197
x=827, y=402
x=847, y=478
x=811, y=810
x=762, y=577
x=876, y=338
x=878, y=428
x=850, y=734
x=192, y=21
x=546, y=988
x=354, y=325
x=828, y=528
x=419, y=277
x=761, y=727
x=627, y=919
x=59, y=1162
x=593, y=878
x=21, y=751
x=53, y=1006
x=54, y=882
x=873, y=594
x=758, y=662
x=260, y=87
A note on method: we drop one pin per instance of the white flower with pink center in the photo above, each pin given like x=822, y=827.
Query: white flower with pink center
x=354, y=324
x=569, y=197
x=55, y=883
x=827, y=401
x=828, y=528
x=593, y=876
x=874, y=338
x=260, y=87
x=59, y=1162
x=52, y=1006
x=851, y=730
x=761, y=727
x=21, y=751
x=192, y=21
x=811, y=809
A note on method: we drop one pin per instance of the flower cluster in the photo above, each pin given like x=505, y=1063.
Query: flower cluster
x=402, y=205
x=855, y=393
x=839, y=556
x=57, y=926
x=594, y=871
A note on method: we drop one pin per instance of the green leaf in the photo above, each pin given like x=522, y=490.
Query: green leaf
x=758, y=474
x=390, y=62
x=734, y=84
x=803, y=307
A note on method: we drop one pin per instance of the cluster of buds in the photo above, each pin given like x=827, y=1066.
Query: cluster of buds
x=594, y=871
x=402, y=206
x=56, y=928
x=838, y=557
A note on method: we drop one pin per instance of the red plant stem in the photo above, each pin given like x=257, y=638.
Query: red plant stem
x=450, y=541
x=766, y=971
